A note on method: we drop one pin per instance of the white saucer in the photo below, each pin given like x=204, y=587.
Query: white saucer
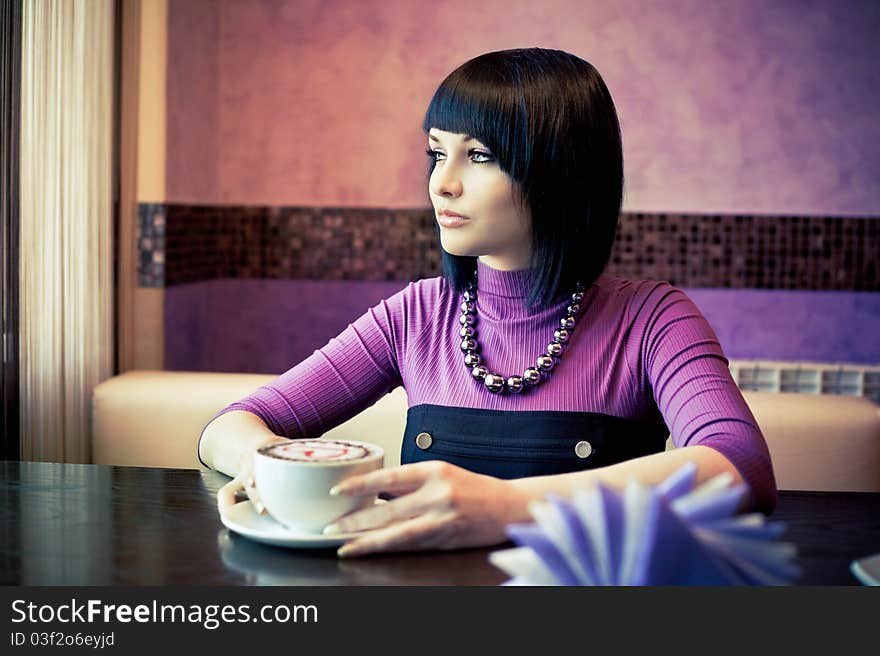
x=244, y=519
x=867, y=569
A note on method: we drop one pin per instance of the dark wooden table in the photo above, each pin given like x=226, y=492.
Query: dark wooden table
x=63, y=524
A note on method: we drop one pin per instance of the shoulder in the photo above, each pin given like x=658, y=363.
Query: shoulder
x=432, y=287
x=644, y=306
x=633, y=289
x=425, y=289
x=421, y=296
x=640, y=296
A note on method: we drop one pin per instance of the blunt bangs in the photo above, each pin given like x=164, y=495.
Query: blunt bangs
x=551, y=122
x=480, y=104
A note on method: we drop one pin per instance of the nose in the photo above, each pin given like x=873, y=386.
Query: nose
x=445, y=182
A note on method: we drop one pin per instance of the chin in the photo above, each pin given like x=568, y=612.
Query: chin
x=458, y=247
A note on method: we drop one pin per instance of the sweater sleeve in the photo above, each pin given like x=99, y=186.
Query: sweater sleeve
x=347, y=375
x=680, y=358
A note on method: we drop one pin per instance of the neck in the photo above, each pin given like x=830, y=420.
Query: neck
x=503, y=283
x=505, y=264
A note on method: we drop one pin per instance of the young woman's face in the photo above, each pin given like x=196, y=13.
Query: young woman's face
x=468, y=181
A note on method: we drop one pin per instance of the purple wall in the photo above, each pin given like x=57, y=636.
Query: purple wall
x=760, y=324
x=748, y=106
x=267, y=326
x=260, y=326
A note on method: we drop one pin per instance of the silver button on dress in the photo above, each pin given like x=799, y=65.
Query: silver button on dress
x=424, y=440
x=583, y=449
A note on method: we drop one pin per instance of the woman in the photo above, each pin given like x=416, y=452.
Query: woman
x=528, y=371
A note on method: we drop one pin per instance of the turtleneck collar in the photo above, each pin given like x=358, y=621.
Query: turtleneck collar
x=506, y=284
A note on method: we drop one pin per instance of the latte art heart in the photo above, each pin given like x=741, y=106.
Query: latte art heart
x=318, y=451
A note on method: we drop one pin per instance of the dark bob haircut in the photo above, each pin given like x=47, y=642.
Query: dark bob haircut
x=549, y=119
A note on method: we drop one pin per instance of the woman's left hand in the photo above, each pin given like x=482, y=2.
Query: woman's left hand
x=436, y=505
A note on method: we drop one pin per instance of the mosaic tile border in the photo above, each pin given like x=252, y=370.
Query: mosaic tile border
x=179, y=244
x=151, y=245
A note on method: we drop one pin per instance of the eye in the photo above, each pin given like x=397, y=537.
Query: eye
x=435, y=155
x=480, y=157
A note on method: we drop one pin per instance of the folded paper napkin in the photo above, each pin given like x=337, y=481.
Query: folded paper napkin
x=673, y=533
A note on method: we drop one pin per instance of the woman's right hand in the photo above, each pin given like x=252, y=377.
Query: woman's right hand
x=242, y=487
x=228, y=445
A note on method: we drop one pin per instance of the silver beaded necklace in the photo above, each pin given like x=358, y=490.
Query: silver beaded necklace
x=545, y=362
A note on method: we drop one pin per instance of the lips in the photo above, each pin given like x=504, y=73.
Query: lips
x=449, y=219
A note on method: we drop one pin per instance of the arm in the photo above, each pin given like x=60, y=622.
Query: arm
x=230, y=436
x=335, y=383
x=649, y=470
x=675, y=353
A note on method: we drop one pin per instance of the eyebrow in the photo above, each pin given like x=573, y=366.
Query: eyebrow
x=465, y=139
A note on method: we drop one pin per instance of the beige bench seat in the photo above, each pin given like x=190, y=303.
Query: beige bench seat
x=154, y=418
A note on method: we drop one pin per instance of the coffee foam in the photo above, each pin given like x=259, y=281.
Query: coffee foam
x=317, y=451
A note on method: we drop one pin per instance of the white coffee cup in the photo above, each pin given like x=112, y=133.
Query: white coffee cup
x=294, y=479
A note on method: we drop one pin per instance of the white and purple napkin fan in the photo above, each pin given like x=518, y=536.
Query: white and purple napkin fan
x=670, y=534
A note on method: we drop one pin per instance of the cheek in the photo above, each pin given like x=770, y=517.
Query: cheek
x=507, y=204
x=516, y=218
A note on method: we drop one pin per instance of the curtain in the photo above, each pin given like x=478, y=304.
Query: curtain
x=66, y=222
x=10, y=83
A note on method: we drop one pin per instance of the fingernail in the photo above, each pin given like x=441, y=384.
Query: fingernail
x=261, y=509
x=332, y=528
x=335, y=491
x=345, y=551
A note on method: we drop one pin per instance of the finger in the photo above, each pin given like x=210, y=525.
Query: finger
x=226, y=495
x=420, y=502
x=238, y=490
x=250, y=489
x=395, y=480
x=419, y=533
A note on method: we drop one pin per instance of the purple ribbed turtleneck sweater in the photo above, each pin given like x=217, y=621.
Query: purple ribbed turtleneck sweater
x=641, y=350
